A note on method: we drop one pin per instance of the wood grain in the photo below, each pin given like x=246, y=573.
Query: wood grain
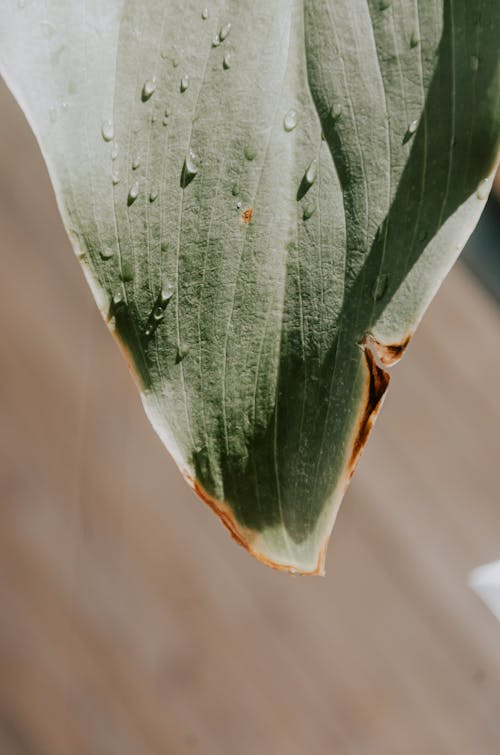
x=130, y=623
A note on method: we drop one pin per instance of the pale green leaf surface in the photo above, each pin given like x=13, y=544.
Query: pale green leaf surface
x=261, y=367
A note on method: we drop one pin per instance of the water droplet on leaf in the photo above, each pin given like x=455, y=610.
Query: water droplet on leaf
x=127, y=272
x=250, y=153
x=190, y=169
x=133, y=193
x=309, y=211
x=290, y=120
x=153, y=196
x=184, y=83
x=415, y=39
x=115, y=178
x=311, y=173
x=224, y=31
x=148, y=89
x=204, y=14
x=107, y=131
x=136, y=162
x=227, y=60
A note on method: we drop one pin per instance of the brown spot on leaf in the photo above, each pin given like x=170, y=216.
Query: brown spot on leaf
x=388, y=354
x=247, y=215
x=377, y=382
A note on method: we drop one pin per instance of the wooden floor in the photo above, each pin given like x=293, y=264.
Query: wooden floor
x=130, y=623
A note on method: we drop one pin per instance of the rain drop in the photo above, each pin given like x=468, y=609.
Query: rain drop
x=107, y=131
x=190, y=169
x=474, y=63
x=165, y=121
x=204, y=14
x=415, y=39
x=117, y=299
x=114, y=151
x=311, y=173
x=410, y=131
x=182, y=352
x=290, y=120
x=227, y=60
x=136, y=162
x=184, y=83
x=216, y=41
x=224, y=31
x=158, y=314
x=153, y=196
x=250, y=153
x=166, y=294
x=106, y=254
x=309, y=211
x=133, y=193
x=336, y=111
x=127, y=272
x=115, y=177
x=483, y=189
x=148, y=89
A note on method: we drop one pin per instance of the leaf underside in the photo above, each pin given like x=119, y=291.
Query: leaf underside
x=264, y=197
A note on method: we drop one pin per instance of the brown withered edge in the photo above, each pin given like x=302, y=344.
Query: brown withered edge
x=377, y=382
x=387, y=354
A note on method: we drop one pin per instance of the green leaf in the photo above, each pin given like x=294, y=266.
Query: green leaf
x=264, y=198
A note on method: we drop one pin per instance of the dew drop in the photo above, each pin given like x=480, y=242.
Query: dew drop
x=224, y=31
x=483, y=189
x=290, y=120
x=227, y=60
x=114, y=151
x=216, y=41
x=117, y=299
x=184, y=83
x=158, y=314
x=115, y=177
x=309, y=211
x=250, y=153
x=474, y=63
x=148, y=89
x=311, y=173
x=166, y=294
x=133, y=193
x=415, y=39
x=175, y=62
x=127, y=272
x=165, y=120
x=136, y=162
x=153, y=196
x=182, y=352
x=106, y=254
x=204, y=14
x=410, y=131
x=336, y=111
x=239, y=205
x=107, y=131
x=190, y=169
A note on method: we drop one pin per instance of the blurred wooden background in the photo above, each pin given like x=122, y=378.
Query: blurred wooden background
x=130, y=623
